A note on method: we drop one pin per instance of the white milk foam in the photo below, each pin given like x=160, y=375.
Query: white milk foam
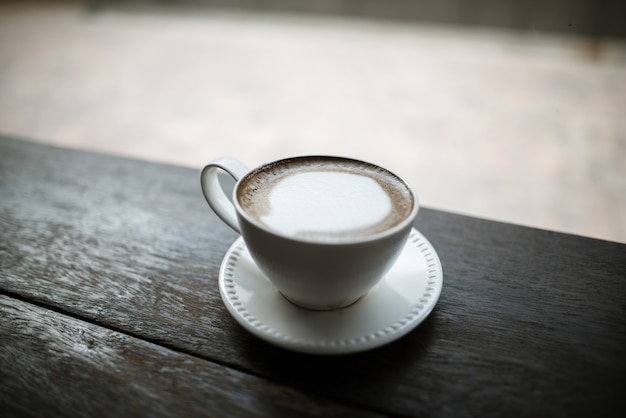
x=325, y=202
x=325, y=198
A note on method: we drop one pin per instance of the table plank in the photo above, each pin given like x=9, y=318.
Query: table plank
x=55, y=365
x=529, y=321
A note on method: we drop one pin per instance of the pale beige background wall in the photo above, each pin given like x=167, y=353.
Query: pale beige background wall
x=522, y=127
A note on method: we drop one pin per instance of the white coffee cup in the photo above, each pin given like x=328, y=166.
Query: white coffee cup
x=324, y=230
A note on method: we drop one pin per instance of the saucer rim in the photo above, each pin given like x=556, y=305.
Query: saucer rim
x=420, y=310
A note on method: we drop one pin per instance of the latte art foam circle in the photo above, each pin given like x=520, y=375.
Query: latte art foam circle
x=325, y=198
x=325, y=202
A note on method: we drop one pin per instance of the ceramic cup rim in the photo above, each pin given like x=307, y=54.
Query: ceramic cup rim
x=408, y=220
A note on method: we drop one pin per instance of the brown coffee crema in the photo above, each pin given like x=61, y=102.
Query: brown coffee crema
x=255, y=189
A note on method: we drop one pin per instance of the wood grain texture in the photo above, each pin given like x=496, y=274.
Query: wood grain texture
x=54, y=365
x=529, y=323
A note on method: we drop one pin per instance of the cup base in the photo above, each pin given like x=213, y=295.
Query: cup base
x=350, y=302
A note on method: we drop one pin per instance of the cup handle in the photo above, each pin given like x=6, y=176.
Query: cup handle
x=213, y=191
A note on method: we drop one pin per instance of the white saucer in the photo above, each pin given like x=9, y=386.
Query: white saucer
x=395, y=306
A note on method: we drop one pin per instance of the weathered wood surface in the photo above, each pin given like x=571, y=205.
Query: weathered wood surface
x=530, y=322
x=55, y=365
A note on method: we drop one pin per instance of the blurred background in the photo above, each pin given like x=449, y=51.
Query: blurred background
x=508, y=110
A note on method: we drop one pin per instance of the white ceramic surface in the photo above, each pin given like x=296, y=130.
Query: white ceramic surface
x=310, y=272
x=395, y=306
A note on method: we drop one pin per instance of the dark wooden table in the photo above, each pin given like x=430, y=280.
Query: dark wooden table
x=109, y=305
